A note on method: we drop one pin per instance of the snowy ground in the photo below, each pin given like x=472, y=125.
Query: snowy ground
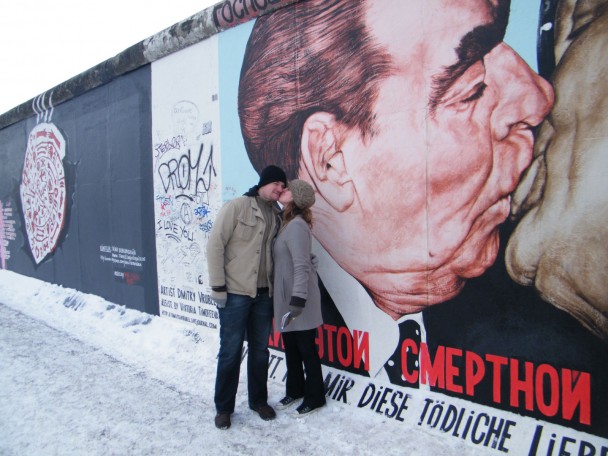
x=82, y=376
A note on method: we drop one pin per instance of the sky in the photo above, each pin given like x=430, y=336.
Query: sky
x=81, y=375
x=46, y=43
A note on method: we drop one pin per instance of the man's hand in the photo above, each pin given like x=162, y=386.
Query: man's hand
x=219, y=296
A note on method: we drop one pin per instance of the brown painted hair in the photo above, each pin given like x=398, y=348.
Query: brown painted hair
x=312, y=56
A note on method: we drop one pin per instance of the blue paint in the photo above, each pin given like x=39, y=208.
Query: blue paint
x=522, y=32
x=237, y=173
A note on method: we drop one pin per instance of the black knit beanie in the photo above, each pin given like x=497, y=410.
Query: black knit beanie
x=272, y=174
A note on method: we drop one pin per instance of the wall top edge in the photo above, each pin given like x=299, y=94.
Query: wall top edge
x=198, y=27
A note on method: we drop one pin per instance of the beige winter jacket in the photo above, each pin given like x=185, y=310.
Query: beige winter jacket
x=235, y=244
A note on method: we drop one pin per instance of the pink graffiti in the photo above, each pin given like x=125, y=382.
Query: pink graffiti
x=2, y=251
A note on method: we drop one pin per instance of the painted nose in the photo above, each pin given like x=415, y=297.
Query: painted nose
x=523, y=97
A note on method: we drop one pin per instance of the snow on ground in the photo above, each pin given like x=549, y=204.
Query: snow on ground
x=83, y=376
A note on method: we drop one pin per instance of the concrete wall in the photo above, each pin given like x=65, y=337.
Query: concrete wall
x=460, y=179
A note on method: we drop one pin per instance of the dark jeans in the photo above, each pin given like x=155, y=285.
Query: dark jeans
x=251, y=317
x=301, y=356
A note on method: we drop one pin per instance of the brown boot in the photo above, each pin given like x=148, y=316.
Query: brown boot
x=265, y=411
x=222, y=420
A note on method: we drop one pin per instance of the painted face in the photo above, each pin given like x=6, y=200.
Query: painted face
x=452, y=135
x=272, y=191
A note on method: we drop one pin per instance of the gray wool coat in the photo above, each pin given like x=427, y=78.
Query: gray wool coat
x=294, y=275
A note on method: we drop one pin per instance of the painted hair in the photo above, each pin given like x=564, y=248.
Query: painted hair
x=312, y=56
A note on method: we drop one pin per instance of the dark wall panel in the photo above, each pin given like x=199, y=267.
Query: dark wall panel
x=103, y=247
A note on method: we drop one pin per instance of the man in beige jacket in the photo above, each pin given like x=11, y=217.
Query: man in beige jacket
x=240, y=274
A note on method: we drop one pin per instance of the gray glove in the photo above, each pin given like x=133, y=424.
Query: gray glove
x=219, y=296
x=296, y=306
x=295, y=311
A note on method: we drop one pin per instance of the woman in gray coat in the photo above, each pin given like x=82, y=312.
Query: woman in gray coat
x=297, y=300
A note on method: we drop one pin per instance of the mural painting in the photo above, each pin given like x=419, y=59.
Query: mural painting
x=415, y=122
x=75, y=191
x=43, y=192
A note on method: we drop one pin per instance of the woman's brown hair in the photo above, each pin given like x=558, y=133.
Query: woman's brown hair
x=291, y=211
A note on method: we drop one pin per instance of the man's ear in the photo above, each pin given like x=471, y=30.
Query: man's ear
x=323, y=160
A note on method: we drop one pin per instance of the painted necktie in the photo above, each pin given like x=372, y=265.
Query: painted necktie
x=408, y=329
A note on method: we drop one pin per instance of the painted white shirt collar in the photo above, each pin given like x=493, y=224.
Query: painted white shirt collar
x=360, y=313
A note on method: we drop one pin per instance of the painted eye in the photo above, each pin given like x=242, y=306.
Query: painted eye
x=477, y=93
x=467, y=100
